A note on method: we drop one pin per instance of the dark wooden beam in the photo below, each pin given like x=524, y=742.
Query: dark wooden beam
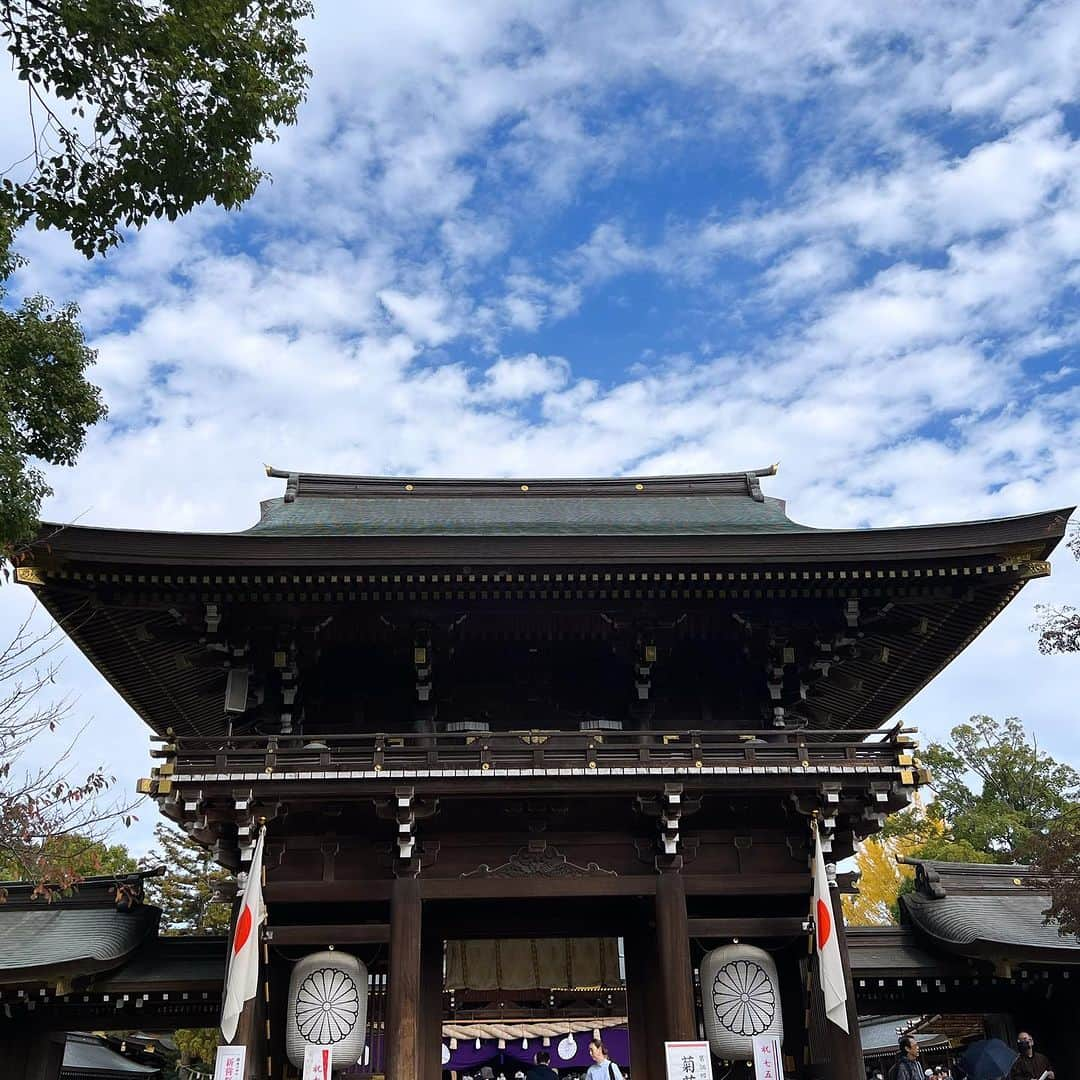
x=328, y=892
x=763, y=926
x=523, y=888
x=330, y=934
x=796, y=884
x=536, y=887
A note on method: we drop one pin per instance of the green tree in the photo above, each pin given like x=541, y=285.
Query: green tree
x=883, y=879
x=998, y=798
x=1059, y=627
x=83, y=857
x=1056, y=856
x=1020, y=788
x=186, y=893
x=197, y=1046
x=136, y=109
x=46, y=403
x=144, y=108
x=48, y=814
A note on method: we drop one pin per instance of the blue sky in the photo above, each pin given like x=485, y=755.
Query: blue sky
x=551, y=238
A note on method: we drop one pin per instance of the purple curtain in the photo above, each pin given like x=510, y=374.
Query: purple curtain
x=467, y=1057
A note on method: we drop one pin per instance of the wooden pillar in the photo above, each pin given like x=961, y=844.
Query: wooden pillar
x=32, y=1054
x=845, y=1056
x=791, y=966
x=640, y=956
x=673, y=944
x=403, y=986
x=251, y=1034
x=431, y=1008
x=277, y=975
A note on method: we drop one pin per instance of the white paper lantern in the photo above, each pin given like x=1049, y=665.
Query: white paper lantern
x=327, y=1007
x=740, y=990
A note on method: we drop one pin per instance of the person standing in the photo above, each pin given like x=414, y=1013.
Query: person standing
x=907, y=1066
x=542, y=1070
x=602, y=1068
x=1030, y=1065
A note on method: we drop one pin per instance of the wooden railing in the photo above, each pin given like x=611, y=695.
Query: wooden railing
x=268, y=754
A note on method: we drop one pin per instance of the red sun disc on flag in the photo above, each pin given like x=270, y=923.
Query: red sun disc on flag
x=243, y=929
x=824, y=924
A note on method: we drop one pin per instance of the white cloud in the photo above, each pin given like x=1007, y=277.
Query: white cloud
x=423, y=317
x=449, y=200
x=517, y=377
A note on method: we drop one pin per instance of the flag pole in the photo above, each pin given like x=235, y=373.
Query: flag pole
x=243, y=1020
x=843, y=1047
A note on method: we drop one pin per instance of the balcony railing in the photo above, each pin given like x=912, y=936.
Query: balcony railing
x=266, y=755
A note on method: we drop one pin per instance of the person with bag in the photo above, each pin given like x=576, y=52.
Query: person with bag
x=602, y=1068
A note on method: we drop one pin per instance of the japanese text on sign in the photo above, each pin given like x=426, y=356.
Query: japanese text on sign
x=318, y=1062
x=230, y=1063
x=768, y=1058
x=688, y=1061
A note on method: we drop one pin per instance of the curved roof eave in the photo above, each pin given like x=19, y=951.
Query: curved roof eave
x=1039, y=532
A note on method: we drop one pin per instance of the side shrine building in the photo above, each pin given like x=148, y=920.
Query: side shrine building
x=544, y=749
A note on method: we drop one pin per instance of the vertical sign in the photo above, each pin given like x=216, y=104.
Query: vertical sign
x=688, y=1061
x=768, y=1058
x=230, y=1063
x=318, y=1062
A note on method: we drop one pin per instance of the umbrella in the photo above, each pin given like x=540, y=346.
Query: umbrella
x=988, y=1059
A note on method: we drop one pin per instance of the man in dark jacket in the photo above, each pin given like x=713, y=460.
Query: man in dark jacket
x=542, y=1070
x=907, y=1066
x=1030, y=1065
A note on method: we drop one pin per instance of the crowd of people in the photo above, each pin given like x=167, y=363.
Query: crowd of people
x=1030, y=1064
x=602, y=1068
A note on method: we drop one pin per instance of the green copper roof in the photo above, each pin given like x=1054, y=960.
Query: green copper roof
x=719, y=504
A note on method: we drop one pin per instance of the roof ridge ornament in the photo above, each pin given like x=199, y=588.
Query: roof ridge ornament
x=300, y=485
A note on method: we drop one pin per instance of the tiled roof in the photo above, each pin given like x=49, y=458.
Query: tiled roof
x=880, y=1034
x=73, y=940
x=715, y=504
x=986, y=910
x=89, y=1055
x=195, y=961
x=540, y=516
x=894, y=952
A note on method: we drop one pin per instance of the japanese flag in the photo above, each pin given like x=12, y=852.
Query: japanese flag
x=830, y=969
x=242, y=980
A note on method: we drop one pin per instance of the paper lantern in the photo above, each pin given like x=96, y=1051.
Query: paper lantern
x=740, y=991
x=327, y=1007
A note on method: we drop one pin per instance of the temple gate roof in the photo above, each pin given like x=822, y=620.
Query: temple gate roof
x=716, y=503
x=990, y=910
